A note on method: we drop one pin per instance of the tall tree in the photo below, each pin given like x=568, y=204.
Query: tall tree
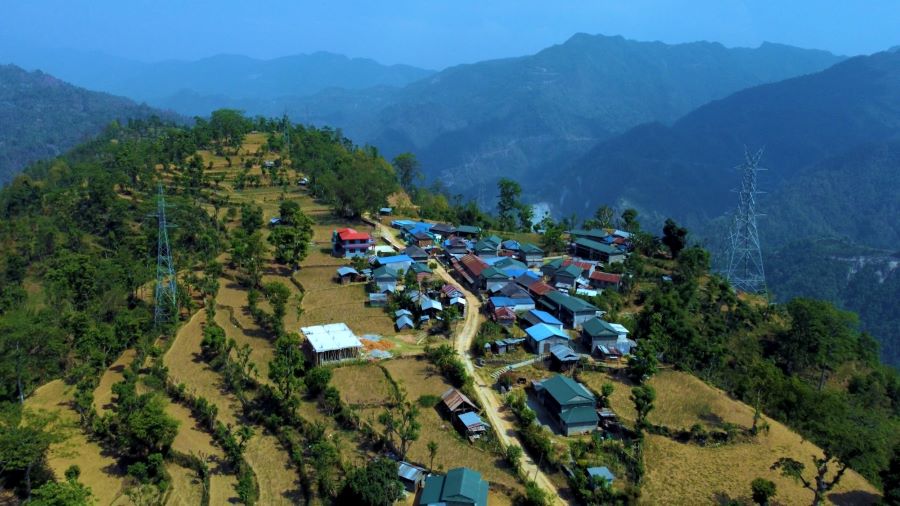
x=642, y=397
x=407, y=167
x=376, y=484
x=674, y=237
x=628, y=221
x=508, y=203
x=286, y=367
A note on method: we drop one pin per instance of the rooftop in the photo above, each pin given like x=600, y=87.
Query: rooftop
x=545, y=317
x=566, y=390
x=598, y=246
x=334, y=336
x=573, y=304
x=460, y=486
x=349, y=234
x=595, y=327
x=542, y=331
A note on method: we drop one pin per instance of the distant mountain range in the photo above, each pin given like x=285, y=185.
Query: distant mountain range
x=822, y=135
x=531, y=116
x=200, y=86
x=42, y=116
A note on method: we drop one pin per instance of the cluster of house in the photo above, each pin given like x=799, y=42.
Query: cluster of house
x=511, y=276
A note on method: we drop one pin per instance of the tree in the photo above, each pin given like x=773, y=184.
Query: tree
x=373, y=485
x=141, y=425
x=762, y=491
x=277, y=294
x=514, y=455
x=508, y=203
x=643, y=362
x=606, y=390
x=432, y=453
x=317, y=380
x=408, y=426
x=25, y=437
x=628, y=221
x=603, y=217
x=251, y=217
x=820, y=336
x=66, y=493
x=642, y=397
x=890, y=479
x=287, y=366
x=674, y=237
x=552, y=238
x=407, y=167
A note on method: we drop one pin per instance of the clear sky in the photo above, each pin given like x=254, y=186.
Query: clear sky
x=433, y=33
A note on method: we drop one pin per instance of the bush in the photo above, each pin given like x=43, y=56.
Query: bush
x=429, y=400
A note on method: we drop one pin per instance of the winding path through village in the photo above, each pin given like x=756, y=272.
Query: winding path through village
x=487, y=396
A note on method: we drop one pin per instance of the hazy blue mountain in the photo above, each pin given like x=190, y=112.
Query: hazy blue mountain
x=531, y=116
x=42, y=116
x=685, y=170
x=216, y=79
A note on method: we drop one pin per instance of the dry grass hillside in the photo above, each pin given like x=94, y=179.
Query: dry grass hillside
x=680, y=473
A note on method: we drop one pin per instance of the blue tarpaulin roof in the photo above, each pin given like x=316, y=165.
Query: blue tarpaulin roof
x=601, y=472
x=470, y=419
x=394, y=259
x=345, y=271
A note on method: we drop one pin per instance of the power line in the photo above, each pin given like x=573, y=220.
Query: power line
x=745, y=264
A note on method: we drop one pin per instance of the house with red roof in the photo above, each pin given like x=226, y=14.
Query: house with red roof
x=605, y=280
x=349, y=243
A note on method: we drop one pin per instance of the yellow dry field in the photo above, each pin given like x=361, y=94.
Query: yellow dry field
x=99, y=470
x=186, y=366
x=361, y=384
x=419, y=378
x=232, y=300
x=689, y=474
x=103, y=393
x=278, y=480
x=187, y=489
x=269, y=461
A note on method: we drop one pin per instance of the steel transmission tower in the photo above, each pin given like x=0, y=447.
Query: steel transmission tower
x=166, y=302
x=745, y=264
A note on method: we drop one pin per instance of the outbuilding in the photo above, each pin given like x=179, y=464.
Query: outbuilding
x=330, y=343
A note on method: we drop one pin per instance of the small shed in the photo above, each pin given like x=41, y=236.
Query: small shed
x=504, y=316
x=562, y=357
x=412, y=476
x=346, y=274
x=470, y=424
x=404, y=323
x=454, y=401
x=386, y=211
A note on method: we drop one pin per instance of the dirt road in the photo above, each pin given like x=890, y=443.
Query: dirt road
x=487, y=396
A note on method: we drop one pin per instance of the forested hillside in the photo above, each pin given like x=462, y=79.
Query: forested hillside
x=686, y=170
x=42, y=117
x=526, y=117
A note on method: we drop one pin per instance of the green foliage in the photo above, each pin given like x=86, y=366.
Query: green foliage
x=762, y=490
x=890, y=479
x=513, y=214
x=642, y=397
x=316, y=380
x=375, y=484
x=407, y=167
x=674, y=237
x=67, y=493
x=287, y=366
x=140, y=425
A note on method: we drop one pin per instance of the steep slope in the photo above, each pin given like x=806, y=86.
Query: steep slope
x=685, y=170
x=524, y=116
x=41, y=116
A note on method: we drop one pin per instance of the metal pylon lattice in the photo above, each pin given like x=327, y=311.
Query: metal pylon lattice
x=165, y=300
x=745, y=264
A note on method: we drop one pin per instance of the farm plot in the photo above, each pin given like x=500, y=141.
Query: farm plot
x=114, y=373
x=99, y=470
x=187, y=488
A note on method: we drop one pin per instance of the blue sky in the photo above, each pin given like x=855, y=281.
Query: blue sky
x=433, y=33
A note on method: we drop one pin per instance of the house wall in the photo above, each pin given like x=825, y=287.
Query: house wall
x=572, y=430
x=545, y=345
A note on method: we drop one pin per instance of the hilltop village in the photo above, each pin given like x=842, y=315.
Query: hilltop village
x=340, y=336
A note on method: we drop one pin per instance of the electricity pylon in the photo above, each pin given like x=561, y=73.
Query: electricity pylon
x=166, y=301
x=745, y=264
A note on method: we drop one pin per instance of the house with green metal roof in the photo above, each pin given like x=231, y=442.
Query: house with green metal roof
x=459, y=487
x=488, y=247
x=570, y=404
x=469, y=231
x=493, y=279
x=567, y=275
x=531, y=255
x=593, y=250
x=572, y=311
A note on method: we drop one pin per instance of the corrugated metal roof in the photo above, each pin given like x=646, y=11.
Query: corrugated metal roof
x=544, y=317
x=542, y=331
x=409, y=472
x=469, y=419
x=330, y=337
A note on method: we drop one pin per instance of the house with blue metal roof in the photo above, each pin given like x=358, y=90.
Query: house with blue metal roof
x=346, y=274
x=459, y=487
x=536, y=316
x=542, y=337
